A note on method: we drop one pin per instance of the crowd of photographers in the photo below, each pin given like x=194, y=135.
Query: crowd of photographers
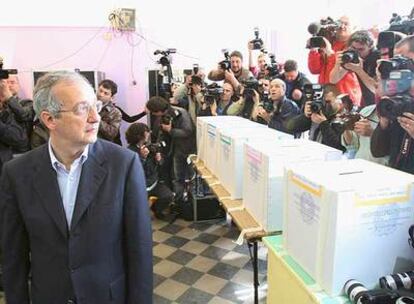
x=362, y=104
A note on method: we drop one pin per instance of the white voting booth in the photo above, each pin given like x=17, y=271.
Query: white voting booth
x=230, y=163
x=264, y=165
x=209, y=138
x=201, y=127
x=348, y=220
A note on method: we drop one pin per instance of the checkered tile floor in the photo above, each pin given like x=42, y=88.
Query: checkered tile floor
x=199, y=263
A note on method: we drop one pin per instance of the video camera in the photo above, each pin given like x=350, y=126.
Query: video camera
x=226, y=63
x=166, y=58
x=402, y=24
x=397, y=76
x=314, y=92
x=4, y=73
x=272, y=68
x=212, y=93
x=251, y=86
x=324, y=28
x=386, y=66
x=257, y=42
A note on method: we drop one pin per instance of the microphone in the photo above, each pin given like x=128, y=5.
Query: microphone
x=314, y=28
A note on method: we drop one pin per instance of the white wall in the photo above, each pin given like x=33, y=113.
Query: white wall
x=199, y=36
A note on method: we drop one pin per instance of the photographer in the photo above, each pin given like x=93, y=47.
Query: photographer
x=394, y=136
x=217, y=101
x=357, y=139
x=258, y=70
x=321, y=60
x=22, y=108
x=195, y=97
x=360, y=58
x=235, y=74
x=317, y=117
x=13, y=137
x=177, y=127
x=294, y=81
x=247, y=105
x=138, y=138
x=282, y=108
x=110, y=116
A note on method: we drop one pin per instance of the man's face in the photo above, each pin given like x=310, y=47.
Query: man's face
x=332, y=104
x=70, y=128
x=158, y=113
x=13, y=83
x=265, y=84
x=236, y=64
x=104, y=95
x=362, y=49
x=291, y=76
x=227, y=92
x=345, y=29
x=276, y=90
x=261, y=62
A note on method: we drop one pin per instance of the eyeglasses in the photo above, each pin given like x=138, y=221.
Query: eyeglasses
x=83, y=108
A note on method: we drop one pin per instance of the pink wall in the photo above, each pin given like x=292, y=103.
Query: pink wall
x=87, y=48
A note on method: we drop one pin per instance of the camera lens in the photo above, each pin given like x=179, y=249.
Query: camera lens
x=354, y=290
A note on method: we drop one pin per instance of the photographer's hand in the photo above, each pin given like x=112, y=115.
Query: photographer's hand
x=327, y=48
x=296, y=94
x=318, y=117
x=363, y=128
x=263, y=114
x=213, y=108
x=307, y=110
x=407, y=123
x=5, y=93
x=143, y=151
x=166, y=128
x=354, y=67
x=157, y=157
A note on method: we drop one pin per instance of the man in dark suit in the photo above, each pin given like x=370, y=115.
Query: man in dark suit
x=74, y=211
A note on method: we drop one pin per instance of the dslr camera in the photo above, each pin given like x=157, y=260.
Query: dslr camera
x=251, y=86
x=267, y=103
x=212, y=93
x=272, y=68
x=4, y=73
x=226, y=63
x=350, y=56
x=314, y=92
x=394, y=106
x=324, y=28
x=257, y=42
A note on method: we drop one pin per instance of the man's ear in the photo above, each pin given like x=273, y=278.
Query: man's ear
x=48, y=120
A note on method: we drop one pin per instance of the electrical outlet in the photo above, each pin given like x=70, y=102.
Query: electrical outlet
x=127, y=16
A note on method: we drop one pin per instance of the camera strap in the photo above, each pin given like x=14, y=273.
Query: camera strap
x=405, y=148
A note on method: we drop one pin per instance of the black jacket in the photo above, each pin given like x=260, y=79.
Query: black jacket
x=299, y=84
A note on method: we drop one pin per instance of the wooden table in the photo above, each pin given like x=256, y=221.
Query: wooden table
x=245, y=222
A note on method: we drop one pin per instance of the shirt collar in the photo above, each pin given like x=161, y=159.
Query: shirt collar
x=56, y=163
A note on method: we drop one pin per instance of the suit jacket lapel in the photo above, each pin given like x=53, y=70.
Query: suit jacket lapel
x=47, y=188
x=93, y=174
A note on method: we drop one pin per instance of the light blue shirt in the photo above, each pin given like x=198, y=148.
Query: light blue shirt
x=68, y=180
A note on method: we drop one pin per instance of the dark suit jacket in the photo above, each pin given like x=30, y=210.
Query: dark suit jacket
x=106, y=256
